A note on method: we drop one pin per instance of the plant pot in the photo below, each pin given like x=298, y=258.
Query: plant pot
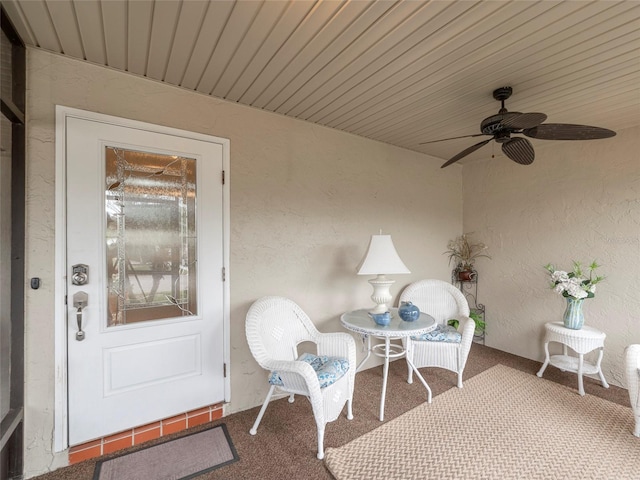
x=573, y=316
x=467, y=275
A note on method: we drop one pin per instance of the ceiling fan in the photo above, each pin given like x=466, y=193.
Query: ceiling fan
x=502, y=126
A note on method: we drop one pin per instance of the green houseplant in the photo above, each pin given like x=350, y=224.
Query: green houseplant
x=476, y=317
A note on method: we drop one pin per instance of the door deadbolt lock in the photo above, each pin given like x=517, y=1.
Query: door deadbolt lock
x=80, y=274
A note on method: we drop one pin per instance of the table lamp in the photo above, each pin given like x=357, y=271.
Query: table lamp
x=381, y=259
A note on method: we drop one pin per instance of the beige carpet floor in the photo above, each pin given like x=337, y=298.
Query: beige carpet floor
x=285, y=446
x=504, y=424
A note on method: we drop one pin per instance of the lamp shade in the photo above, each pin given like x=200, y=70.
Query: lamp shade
x=381, y=258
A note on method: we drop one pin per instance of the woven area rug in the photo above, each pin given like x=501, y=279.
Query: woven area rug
x=504, y=424
x=181, y=458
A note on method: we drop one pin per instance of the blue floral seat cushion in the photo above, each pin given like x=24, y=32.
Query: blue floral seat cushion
x=442, y=333
x=328, y=369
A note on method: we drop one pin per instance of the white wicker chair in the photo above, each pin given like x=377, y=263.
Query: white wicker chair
x=443, y=302
x=275, y=326
x=632, y=364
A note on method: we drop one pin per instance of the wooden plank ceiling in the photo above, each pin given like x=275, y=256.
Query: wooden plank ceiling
x=401, y=72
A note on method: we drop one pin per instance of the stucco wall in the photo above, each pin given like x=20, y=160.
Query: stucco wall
x=304, y=201
x=577, y=201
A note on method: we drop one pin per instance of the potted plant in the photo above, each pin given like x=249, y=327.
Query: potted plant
x=476, y=317
x=575, y=286
x=464, y=252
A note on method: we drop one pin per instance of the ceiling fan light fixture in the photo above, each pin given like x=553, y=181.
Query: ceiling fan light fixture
x=502, y=136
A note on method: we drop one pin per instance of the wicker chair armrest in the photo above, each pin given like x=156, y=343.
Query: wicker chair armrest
x=466, y=327
x=295, y=375
x=632, y=369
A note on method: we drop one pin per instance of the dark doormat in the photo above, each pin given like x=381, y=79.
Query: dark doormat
x=178, y=459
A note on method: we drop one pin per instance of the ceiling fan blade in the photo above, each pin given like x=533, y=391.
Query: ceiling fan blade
x=454, y=138
x=567, y=131
x=466, y=152
x=519, y=150
x=523, y=120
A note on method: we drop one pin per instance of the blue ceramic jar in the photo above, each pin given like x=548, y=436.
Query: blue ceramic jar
x=408, y=312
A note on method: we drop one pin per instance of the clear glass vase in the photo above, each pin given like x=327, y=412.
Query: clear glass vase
x=573, y=316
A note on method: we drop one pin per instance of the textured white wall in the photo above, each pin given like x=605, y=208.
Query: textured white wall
x=577, y=201
x=304, y=201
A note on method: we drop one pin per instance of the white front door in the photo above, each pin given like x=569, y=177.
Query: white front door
x=145, y=287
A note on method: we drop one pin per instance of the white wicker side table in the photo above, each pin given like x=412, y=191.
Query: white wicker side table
x=580, y=341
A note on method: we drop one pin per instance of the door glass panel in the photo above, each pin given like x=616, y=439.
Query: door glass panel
x=150, y=236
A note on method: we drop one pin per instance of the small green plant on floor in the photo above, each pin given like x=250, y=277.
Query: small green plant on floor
x=475, y=316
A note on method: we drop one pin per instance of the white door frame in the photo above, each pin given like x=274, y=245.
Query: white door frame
x=61, y=430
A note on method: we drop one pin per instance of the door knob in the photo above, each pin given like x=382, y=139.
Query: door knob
x=80, y=300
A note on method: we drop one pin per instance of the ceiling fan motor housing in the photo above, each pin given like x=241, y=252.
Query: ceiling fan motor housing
x=502, y=136
x=493, y=124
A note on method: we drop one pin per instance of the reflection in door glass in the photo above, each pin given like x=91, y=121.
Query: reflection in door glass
x=150, y=235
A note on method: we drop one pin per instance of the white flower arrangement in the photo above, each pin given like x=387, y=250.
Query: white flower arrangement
x=574, y=284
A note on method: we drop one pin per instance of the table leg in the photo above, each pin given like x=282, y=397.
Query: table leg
x=385, y=373
x=600, y=374
x=580, y=365
x=546, y=359
x=419, y=375
x=368, y=353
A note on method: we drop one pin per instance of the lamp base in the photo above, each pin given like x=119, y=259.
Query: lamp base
x=381, y=295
